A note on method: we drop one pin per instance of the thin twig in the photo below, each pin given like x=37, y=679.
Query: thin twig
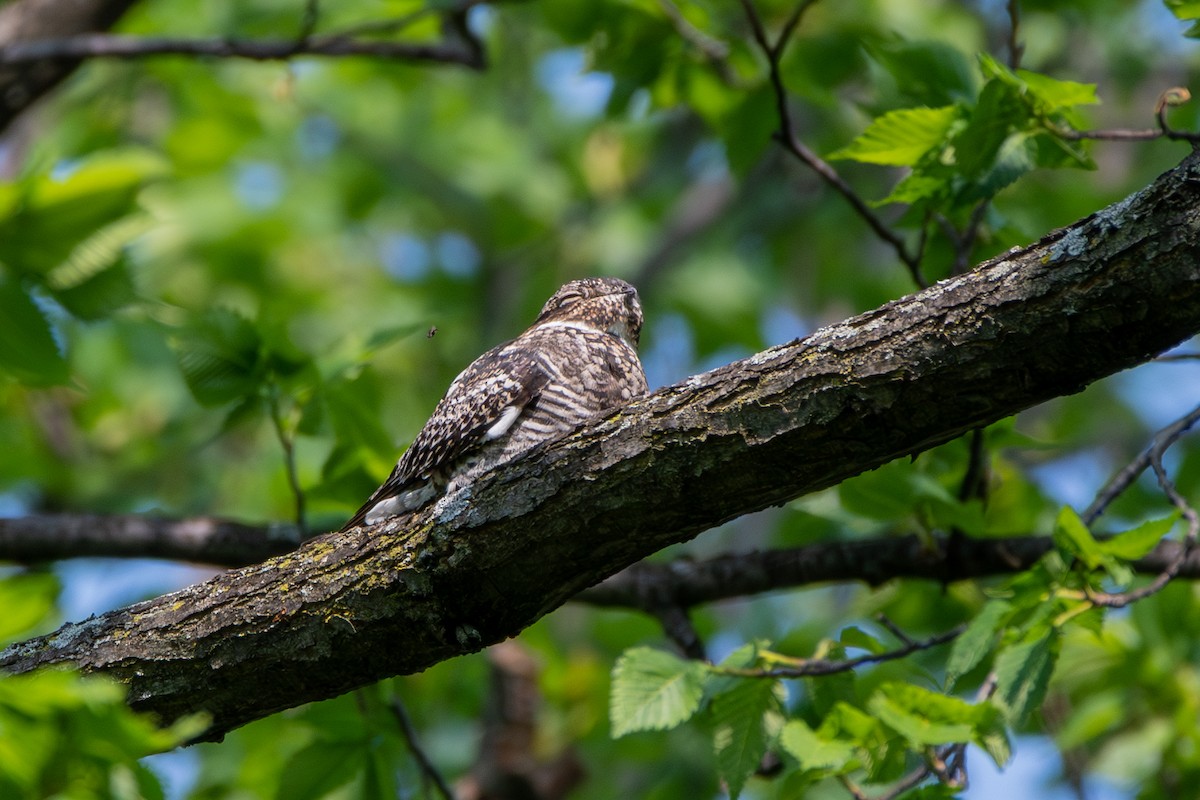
x=975, y=479
x=832, y=666
x=410, y=736
x=712, y=48
x=287, y=442
x=1015, y=48
x=1162, y=442
x=1131, y=471
x=792, y=144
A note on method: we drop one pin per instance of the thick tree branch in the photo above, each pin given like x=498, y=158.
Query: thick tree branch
x=26, y=21
x=348, y=609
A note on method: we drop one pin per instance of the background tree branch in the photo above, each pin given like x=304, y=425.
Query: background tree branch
x=209, y=540
x=348, y=609
x=27, y=21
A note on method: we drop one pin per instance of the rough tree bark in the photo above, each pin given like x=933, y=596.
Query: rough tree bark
x=348, y=609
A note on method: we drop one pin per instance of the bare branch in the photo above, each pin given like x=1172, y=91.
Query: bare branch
x=792, y=144
x=100, y=45
x=429, y=770
x=821, y=666
x=206, y=540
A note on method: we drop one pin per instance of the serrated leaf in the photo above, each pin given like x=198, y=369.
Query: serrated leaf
x=815, y=752
x=1137, y=542
x=973, y=645
x=1073, y=538
x=1022, y=674
x=654, y=690
x=740, y=731
x=220, y=357
x=43, y=220
x=1058, y=95
x=101, y=293
x=923, y=717
x=901, y=138
x=27, y=347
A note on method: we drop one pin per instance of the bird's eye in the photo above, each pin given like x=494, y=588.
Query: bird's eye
x=568, y=299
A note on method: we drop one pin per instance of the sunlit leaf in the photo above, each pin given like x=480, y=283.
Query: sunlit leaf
x=814, y=752
x=1137, y=542
x=901, y=138
x=653, y=690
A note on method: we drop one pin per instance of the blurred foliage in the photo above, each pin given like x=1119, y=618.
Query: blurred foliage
x=221, y=278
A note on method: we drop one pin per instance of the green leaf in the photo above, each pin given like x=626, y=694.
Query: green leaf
x=931, y=73
x=1022, y=674
x=997, y=112
x=1137, y=542
x=654, y=690
x=921, y=716
x=1055, y=95
x=43, y=220
x=100, y=294
x=740, y=729
x=815, y=752
x=852, y=636
x=27, y=599
x=27, y=347
x=973, y=645
x=1073, y=538
x=321, y=767
x=901, y=138
x=1184, y=9
x=220, y=357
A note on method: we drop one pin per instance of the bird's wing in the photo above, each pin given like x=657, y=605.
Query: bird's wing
x=481, y=405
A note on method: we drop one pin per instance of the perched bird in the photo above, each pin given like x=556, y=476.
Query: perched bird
x=577, y=359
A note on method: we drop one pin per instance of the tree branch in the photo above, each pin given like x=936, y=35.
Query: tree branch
x=29, y=20
x=348, y=609
x=99, y=45
x=207, y=540
x=684, y=584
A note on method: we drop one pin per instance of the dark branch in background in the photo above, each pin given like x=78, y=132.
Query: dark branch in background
x=29, y=20
x=712, y=48
x=206, y=540
x=350, y=608
x=684, y=584
x=1016, y=48
x=791, y=142
x=429, y=771
x=468, y=53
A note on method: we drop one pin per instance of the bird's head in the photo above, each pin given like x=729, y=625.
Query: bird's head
x=604, y=304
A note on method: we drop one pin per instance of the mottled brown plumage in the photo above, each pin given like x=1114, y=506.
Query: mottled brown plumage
x=579, y=358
